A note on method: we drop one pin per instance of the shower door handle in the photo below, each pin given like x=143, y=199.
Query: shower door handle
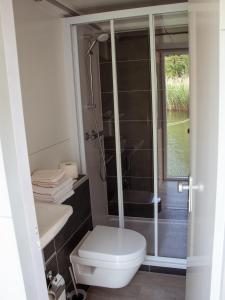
x=188, y=186
x=181, y=186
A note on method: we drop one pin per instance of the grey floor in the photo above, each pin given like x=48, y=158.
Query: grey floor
x=144, y=286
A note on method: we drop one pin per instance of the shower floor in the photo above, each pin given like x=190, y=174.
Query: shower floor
x=172, y=235
x=172, y=222
x=173, y=204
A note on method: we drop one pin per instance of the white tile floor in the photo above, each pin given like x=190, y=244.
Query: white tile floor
x=144, y=286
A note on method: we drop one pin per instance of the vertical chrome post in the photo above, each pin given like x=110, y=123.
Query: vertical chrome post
x=155, y=127
x=117, y=128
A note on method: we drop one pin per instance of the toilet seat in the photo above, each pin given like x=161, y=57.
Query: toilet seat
x=112, y=244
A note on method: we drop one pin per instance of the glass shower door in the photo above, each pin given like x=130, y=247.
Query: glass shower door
x=171, y=51
x=133, y=64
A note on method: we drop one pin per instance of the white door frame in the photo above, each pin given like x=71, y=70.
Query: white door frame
x=71, y=43
x=19, y=186
x=217, y=284
x=214, y=262
x=16, y=172
x=127, y=13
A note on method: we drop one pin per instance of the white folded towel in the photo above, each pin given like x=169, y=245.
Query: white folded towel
x=65, y=185
x=48, y=178
x=59, y=194
x=59, y=198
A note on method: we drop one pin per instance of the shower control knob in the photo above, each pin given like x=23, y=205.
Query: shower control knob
x=87, y=136
x=94, y=135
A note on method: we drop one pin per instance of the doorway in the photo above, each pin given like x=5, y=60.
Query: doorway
x=175, y=74
x=173, y=135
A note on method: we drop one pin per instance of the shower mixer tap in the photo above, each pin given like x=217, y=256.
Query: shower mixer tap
x=93, y=135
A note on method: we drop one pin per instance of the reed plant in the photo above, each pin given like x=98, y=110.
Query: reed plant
x=177, y=82
x=177, y=94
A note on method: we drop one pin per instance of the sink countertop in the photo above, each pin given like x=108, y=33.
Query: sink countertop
x=51, y=218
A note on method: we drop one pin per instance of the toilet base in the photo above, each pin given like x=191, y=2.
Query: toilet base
x=108, y=278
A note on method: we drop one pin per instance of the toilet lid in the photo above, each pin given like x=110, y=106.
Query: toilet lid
x=112, y=244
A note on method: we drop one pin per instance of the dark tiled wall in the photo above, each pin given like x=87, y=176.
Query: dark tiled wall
x=135, y=110
x=57, y=252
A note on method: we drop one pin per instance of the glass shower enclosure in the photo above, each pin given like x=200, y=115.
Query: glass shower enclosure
x=120, y=83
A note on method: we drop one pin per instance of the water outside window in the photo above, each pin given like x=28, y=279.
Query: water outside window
x=177, y=115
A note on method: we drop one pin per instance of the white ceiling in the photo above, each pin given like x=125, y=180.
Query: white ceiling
x=94, y=6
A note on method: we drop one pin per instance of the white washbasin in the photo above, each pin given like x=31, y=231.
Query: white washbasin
x=51, y=218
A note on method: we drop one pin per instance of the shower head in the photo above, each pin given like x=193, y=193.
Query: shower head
x=100, y=38
x=103, y=37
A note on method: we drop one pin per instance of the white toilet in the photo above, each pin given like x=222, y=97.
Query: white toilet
x=108, y=257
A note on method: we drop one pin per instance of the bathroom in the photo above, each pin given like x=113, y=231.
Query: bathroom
x=94, y=92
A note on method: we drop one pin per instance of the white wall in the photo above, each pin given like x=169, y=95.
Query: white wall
x=7, y=233
x=22, y=271
x=48, y=112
